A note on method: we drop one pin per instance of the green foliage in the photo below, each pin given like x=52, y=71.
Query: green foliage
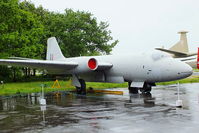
x=20, y=32
x=182, y=81
x=78, y=33
x=5, y=73
x=29, y=87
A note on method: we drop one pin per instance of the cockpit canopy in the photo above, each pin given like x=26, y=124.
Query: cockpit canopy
x=157, y=55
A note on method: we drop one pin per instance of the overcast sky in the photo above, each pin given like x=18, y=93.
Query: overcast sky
x=139, y=25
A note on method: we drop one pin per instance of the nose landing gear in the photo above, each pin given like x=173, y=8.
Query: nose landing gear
x=144, y=90
x=132, y=90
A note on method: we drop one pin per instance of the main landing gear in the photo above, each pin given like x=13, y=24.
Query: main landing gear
x=145, y=90
x=81, y=90
x=132, y=90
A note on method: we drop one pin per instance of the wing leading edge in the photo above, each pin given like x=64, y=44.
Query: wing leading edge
x=40, y=64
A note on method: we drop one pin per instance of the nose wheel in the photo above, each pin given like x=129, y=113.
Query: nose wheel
x=132, y=90
x=146, y=89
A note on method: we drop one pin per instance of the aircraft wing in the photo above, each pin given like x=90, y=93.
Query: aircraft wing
x=172, y=52
x=188, y=59
x=21, y=58
x=41, y=64
x=176, y=53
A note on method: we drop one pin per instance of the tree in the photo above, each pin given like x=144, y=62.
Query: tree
x=78, y=33
x=20, y=32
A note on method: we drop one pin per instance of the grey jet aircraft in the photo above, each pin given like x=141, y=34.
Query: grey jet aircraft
x=141, y=71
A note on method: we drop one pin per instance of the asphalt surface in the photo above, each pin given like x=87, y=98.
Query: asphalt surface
x=153, y=113
x=196, y=73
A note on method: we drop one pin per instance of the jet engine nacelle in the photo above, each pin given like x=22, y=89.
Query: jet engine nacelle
x=86, y=65
x=94, y=64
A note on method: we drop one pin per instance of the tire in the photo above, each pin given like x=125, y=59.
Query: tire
x=146, y=88
x=133, y=90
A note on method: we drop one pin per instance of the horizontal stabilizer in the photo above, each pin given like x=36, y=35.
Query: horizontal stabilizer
x=172, y=52
x=41, y=64
x=188, y=59
x=176, y=53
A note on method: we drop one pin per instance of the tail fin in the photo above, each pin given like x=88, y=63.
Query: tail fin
x=198, y=59
x=182, y=45
x=53, y=50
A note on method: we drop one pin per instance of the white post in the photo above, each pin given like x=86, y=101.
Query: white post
x=42, y=100
x=42, y=91
x=179, y=102
x=178, y=91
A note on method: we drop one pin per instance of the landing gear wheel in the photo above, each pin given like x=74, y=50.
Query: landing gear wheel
x=81, y=90
x=133, y=90
x=146, y=89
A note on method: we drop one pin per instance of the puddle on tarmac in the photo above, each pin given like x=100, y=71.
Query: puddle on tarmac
x=104, y=113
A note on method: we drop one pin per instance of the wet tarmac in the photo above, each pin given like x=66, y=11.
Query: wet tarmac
x=195, y=73
x=153, y=113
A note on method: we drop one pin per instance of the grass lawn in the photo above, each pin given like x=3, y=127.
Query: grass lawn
x=192, y=79
x=28, y=87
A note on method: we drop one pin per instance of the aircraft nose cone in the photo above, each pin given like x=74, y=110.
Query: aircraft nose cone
x=186, y=71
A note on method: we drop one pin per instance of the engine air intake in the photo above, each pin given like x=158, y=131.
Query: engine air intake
x=92, y=63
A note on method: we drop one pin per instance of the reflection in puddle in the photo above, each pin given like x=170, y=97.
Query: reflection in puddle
x=43, y=109
x=102, y=113
x=142, y=99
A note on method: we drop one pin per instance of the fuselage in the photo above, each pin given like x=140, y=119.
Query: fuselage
x=152, y=67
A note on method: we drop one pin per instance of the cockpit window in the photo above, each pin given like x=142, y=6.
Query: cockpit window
x=159, y=55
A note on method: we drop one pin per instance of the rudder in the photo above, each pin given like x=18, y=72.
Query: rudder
x=182, y=45
x=53, y=50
